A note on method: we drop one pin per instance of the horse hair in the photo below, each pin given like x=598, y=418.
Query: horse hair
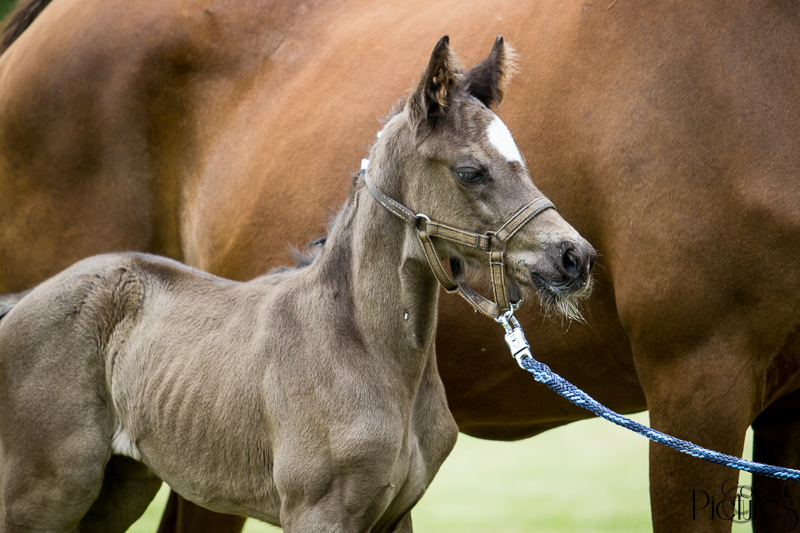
x=18, y=21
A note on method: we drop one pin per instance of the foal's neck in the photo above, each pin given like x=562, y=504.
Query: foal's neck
x=394, y=294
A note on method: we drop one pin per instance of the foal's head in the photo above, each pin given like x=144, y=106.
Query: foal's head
x=447, y=155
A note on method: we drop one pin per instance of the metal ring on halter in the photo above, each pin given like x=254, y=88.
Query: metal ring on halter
x=420, y=217
x=504, y=318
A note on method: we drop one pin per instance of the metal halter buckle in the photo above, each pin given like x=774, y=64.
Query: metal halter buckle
x=515, y=337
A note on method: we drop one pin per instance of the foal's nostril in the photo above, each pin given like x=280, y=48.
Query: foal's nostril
x=571, y=262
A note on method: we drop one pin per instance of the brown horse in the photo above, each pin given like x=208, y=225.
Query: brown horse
x=308, y=398
x=666, y=132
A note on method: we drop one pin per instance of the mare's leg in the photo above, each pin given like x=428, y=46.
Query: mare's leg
x=128, y=488
x=776, y=504
x=183, y=516
x=706, y=397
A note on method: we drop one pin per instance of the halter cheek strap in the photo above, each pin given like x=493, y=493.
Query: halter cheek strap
x=492, y=242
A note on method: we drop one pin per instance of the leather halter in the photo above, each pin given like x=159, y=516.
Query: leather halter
x=492, y=242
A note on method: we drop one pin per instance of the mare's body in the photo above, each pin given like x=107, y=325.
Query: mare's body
x=666, y=132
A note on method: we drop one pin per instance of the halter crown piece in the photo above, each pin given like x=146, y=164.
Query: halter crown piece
x=492, y=242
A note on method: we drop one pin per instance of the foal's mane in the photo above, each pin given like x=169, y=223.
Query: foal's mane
x=18, y=21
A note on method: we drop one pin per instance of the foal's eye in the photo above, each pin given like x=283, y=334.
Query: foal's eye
x=469, y=174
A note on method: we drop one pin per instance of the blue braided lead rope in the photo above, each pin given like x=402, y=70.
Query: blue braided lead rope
x=542, y=373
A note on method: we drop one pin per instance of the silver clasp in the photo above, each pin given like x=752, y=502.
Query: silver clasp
x=515, y=337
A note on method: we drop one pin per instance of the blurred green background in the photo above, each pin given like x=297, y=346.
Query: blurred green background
x=589, y=476
x=5, y=7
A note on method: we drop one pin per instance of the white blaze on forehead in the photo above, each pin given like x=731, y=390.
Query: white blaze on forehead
x=501, y=139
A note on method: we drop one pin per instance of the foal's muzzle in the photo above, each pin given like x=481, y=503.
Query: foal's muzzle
x=576, y=262
x=570, y=272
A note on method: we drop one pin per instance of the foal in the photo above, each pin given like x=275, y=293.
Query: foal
x=306, y=398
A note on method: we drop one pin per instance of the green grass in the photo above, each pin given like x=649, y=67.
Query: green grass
x=6, y=6
x=589, y=476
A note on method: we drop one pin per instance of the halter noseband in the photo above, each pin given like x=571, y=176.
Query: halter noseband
x=492, y=242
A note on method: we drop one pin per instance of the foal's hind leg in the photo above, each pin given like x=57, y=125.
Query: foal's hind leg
x=128, y=488
x=55, y=427
x=49, y=488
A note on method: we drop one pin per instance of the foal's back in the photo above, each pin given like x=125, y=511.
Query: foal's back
x=121, y=334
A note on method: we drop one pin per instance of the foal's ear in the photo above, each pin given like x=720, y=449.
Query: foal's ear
x=433, y=93
x=487, y=80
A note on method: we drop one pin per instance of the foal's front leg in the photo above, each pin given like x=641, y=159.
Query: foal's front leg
x=404, y=526
x=350, y=496
x=331, y=514
x=317, y=522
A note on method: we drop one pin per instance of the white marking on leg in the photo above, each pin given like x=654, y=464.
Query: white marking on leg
x=122, y=444
x=501, y=139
